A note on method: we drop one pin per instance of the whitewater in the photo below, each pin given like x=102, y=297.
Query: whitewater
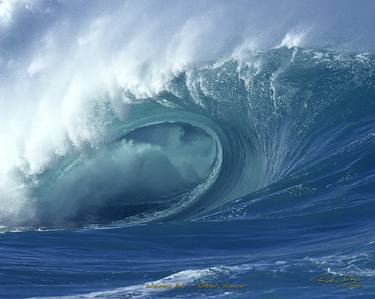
x=146, y=145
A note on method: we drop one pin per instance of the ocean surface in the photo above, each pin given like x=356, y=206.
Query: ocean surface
x=186, y=157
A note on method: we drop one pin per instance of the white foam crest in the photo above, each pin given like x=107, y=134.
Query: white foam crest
x=48, y=93
x=293, y=39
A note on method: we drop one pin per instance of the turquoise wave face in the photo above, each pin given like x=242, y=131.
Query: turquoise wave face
x=241, y=138
x=142, y=172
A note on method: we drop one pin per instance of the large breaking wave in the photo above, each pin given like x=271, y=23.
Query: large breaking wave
x=105, y=124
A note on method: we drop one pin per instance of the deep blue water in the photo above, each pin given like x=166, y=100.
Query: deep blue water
x=135, y=164
x=274, y=259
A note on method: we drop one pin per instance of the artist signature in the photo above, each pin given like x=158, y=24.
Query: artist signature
x=200, y=285
x=341, y=280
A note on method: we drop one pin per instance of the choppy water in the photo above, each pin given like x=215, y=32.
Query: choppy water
x=254, y=169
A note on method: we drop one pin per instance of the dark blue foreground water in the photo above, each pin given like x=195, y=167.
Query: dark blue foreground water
x=272, y=259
